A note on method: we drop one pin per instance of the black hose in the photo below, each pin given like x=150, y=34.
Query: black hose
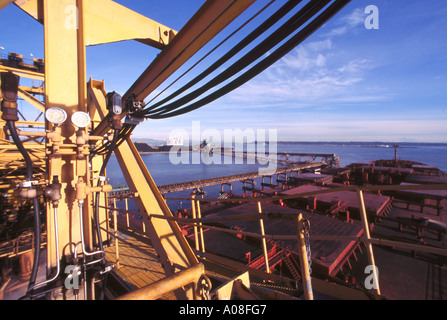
x=101, y=173
x=36, y=242
x=261, y=66
x=290, y=26
x=19, y=144
x=286, y=8
x=112, y=146
x=29, y=176
x=125, y=131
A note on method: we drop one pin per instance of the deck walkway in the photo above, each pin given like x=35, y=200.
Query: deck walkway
x=139, y=267
x=139, y=264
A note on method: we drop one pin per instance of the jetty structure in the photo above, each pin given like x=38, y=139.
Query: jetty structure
x=65, y=236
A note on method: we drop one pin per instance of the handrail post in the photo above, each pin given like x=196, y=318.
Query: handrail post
x=264, y=243
x=191, y=276
x=305, y=274
x=127, y=213
x=115, y=234
x=368, y=243
x=193, y=206
x=199, y=216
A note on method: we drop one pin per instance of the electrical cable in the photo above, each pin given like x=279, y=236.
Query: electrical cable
x=101, y=173
x=270, y=42
x=158, y=111
x=58, y=267
x=127, y=129
x=261, y=66
x=210, y=52
x=36, y=204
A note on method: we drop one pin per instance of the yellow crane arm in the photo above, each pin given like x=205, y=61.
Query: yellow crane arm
x=106, y=21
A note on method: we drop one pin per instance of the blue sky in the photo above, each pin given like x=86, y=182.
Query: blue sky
x=344, y=83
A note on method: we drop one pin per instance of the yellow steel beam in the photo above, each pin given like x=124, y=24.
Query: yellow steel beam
x=166, y=236
x=24, y=73
x=30, y=124
x=211, y=18
x=107, y=21
x=32, y=100
x=158, y=289
x=97, y=109
x=33, y=90
x=34, y=8
x=25, y=145
x=4, y=3
x=82, y=60
x=62, y=90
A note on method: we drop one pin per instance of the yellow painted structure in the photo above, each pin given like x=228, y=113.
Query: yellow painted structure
x=69, y=27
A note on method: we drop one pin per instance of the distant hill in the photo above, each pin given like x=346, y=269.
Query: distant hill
x=361, y=143
x=143, y=147
x=150, y=141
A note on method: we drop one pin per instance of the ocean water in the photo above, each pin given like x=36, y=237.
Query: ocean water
x=164, y=171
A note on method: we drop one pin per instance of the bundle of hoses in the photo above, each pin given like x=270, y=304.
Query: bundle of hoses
x=36, y=205
x=101, y=173
x=320, y=10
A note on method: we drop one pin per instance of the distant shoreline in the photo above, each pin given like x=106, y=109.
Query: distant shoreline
x=364, y=143
x=146, y=148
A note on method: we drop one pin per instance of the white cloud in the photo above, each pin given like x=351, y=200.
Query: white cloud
x=336, y=32
x=312, y=73
x=363, y=130
x=346, y=23
x=355, y=18
x=355, y=66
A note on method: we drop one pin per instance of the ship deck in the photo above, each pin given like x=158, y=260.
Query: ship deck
x=139, y=265
x=327, y=256
x=375, y=205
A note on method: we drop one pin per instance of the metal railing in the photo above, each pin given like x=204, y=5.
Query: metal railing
x=198, y=224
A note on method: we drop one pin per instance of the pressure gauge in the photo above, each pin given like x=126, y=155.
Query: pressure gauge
x=80, y=119
x=56, y=115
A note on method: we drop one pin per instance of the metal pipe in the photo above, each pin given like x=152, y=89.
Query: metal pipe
x=199, y=216
x=115, y=234
x=32, y=133
x=193, y=206
x=264, y=243
x=368, y=244
x=97, y=195
x=75, y=255
x=127, y=208
x=81, y=221
x=56, y=232
x=29, y=173
x=158, y=289
x=305, y=274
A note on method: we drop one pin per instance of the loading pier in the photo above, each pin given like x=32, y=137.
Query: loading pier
x=190, y=185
